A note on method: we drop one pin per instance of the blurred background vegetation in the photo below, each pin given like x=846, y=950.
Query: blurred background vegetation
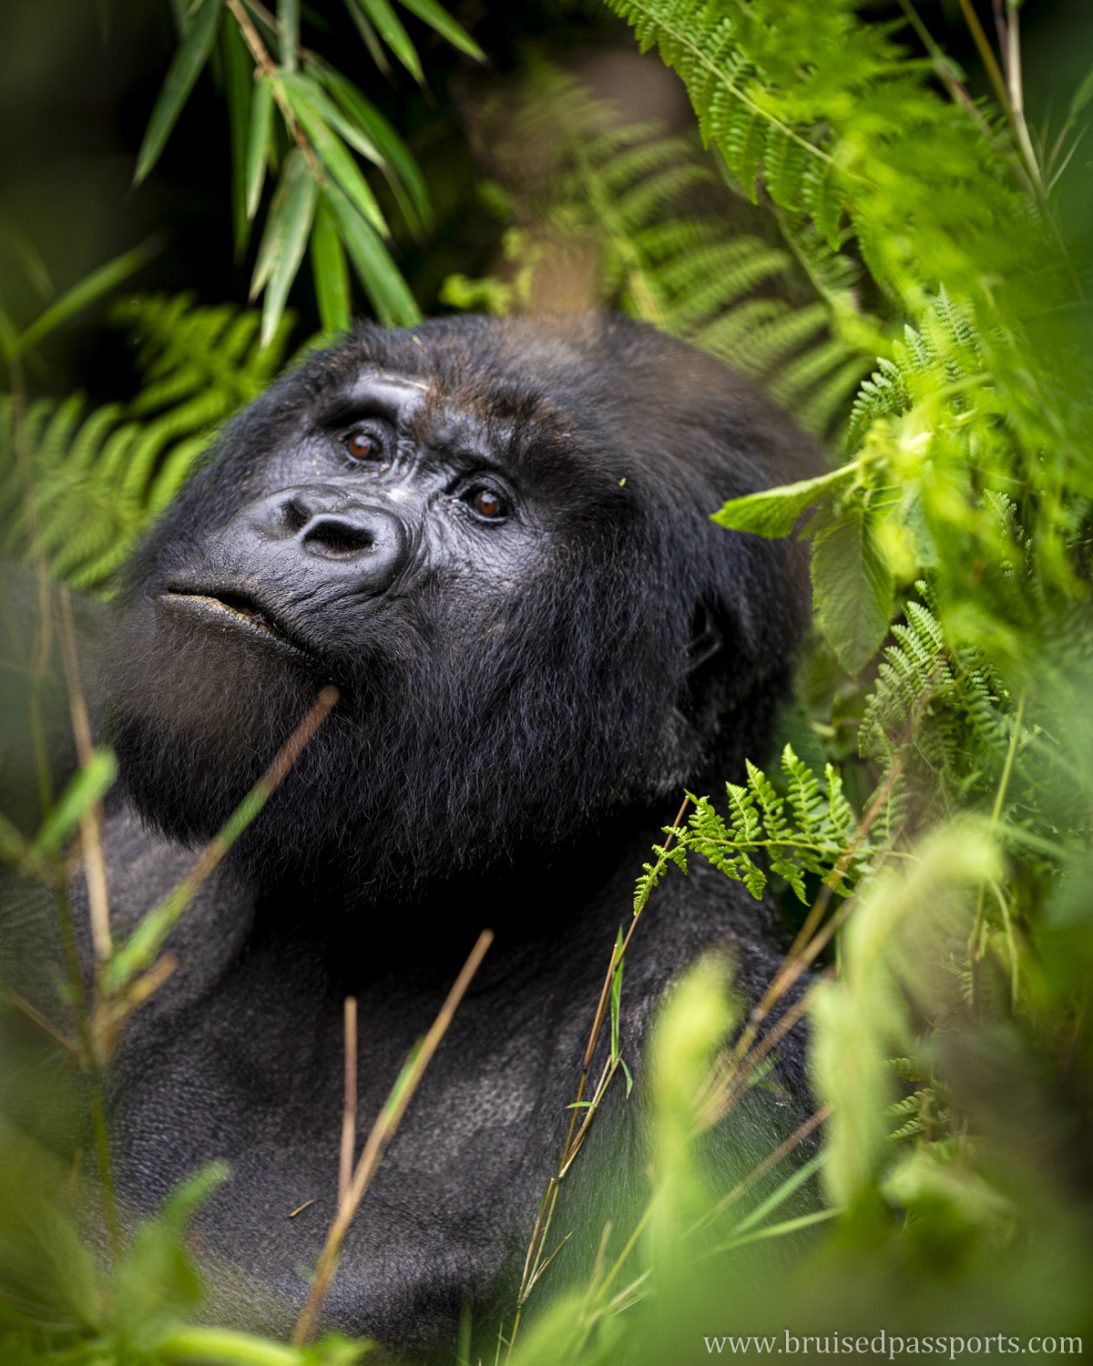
x=885, y=212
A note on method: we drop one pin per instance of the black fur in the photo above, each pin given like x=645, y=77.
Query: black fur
x=522, y=702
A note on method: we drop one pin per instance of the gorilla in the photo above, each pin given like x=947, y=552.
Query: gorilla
x=493, y=538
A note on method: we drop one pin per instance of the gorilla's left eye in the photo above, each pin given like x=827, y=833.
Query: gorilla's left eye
x=361, y=446
x=487, y=503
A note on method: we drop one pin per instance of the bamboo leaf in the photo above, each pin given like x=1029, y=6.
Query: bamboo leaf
x=438, y=18
x=401, y=170
x=333, y=154
x=390, y=28
x=273, y=238
x=384, y=285
x=331, y=272
x=261, y=126
x=239, y=88
x=293, y=231
x=181, y=75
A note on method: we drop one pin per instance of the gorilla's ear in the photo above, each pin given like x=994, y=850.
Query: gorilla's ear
x=706, y=638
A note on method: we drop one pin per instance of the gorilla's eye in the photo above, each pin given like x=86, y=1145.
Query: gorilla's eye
x=488, y=504
x=363, y=446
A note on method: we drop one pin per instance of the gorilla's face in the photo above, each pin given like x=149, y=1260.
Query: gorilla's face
x=492, y=538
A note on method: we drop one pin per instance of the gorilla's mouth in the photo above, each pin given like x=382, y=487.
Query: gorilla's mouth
x=234, y=609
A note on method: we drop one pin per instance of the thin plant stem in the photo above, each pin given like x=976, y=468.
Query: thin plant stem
x=380, y=1136
x=349, y=1112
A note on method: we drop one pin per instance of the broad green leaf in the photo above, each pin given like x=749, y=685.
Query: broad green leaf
x=384, y=285
x=389, y=26
x=333, y=154
x=775, y=512
x=82, y=792
x=402, y=171
x=852, y=589
x=331, y=272
x=261, y=126
x=438, y=18
x=292, y=233
x=85, y=293
x=288, y=14
x=181, y=75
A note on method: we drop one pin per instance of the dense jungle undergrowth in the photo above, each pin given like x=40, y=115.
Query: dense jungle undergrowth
x=906, y=262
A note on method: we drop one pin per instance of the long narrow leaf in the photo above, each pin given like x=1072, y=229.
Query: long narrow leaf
x=85, y=293
x=273, y=238
x=293, y=232
x=328, y=112
x=400, y=169
x=83, y=791
x=331, y=272
x=438, y=18
x=384, y=285
x=389, y=26
x=333, y=154
x=261, y=126
x=239, y=87
x=181, y=75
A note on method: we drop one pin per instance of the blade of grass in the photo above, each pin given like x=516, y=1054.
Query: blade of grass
x=84, y=293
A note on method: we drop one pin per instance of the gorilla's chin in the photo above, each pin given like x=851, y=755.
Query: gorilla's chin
x=199, y=702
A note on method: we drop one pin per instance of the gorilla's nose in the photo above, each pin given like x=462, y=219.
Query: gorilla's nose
x=321, y=530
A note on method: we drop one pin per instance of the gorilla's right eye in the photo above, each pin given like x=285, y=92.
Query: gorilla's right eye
x=361, y=446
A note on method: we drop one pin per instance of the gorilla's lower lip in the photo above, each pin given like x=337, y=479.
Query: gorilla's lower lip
x=234, y=610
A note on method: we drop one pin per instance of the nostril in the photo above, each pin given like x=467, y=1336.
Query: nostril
x=337, y=539
x=294, y=515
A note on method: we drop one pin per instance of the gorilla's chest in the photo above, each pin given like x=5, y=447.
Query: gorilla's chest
x=252, y=1071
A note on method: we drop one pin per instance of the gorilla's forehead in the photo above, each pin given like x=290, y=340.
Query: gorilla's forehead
x=530, y=425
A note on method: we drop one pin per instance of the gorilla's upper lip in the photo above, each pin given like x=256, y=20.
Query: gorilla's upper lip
x=236, y=608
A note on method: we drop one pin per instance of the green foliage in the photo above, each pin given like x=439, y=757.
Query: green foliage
x=632, y=202
x=809, y=829
x=298, y=122
x=97, y=478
